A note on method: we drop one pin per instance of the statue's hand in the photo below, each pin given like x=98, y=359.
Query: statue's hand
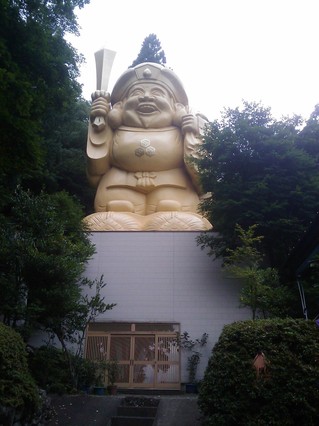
x=101, y=94
x=99, y=109
x=189, y=124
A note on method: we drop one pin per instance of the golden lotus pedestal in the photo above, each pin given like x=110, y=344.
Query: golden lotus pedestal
x=160, y=221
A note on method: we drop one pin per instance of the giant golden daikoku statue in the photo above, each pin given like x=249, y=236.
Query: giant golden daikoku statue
x=141, y=141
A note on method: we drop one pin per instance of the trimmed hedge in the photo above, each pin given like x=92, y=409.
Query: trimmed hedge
x=17, y=388
x=288, y=394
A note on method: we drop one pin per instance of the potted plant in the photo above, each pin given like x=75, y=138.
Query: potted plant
x=99, y=388
x=193, y=346
x=112, y=369
x=86, y=375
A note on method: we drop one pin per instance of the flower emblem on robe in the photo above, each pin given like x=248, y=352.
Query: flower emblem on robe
x=145, y=148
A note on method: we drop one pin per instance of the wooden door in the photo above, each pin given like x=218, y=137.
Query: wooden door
x=146, y=360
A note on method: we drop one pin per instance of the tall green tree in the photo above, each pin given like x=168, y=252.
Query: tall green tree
x=257, y=174
x=38, y=71
x=308, y=138
x=44, y=249
x=70, y=324
x=151, y=51
x=261, y=290
x=43, y=252
x=65, y=161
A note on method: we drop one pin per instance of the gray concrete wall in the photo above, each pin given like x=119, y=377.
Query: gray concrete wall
x=165, y=276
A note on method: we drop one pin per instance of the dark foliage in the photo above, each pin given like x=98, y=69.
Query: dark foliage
x=17, y=387
x=151, y=51
x=261, y=172
x=287, y=394
x=43, y=252
x=50, y=368
x=43, y=119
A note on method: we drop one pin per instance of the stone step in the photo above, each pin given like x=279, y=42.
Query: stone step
x=136, y=411
x=140, y=401
x=132, y=421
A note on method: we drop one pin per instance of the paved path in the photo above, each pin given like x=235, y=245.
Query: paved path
x=178, y=411
x=91, y=410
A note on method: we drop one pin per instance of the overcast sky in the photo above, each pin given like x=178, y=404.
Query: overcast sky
x=223, y=50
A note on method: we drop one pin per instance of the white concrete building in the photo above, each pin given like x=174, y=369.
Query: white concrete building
x=162, y=283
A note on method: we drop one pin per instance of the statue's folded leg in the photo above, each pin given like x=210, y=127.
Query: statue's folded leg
x=118, y=199
x=120, y=206
x=168, y=206
x=171, y=199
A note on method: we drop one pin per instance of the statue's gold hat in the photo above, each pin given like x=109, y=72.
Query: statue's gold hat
x=149, y=72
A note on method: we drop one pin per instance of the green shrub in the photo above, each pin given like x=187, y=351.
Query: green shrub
x=288, y=394
x=50, y=369
x=17, y=387
x=86, y=372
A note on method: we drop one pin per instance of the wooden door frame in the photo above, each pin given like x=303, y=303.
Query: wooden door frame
x=156, y=363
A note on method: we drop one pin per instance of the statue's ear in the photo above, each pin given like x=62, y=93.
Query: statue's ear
x=115, y=115
x=118, y=105
x=179, y=107
x=180, y=111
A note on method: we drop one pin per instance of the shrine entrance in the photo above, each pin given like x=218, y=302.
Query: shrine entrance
x=146, y=352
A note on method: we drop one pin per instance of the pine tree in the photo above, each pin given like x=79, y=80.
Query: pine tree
x=151, y=51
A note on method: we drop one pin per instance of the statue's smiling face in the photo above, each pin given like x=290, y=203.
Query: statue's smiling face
x=149, y=106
